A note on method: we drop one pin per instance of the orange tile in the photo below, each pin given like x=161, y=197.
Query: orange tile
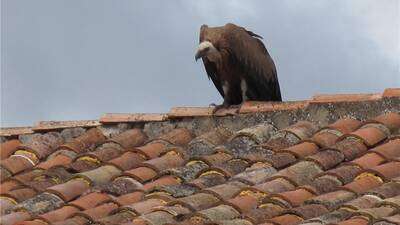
x=391, y=92
x=345, y=125
x=59, y=160
x=286, y=219
x=59, y=214
x=370, y=135
x=128, y=160
x=302, y=129
x=90, y=200
x=53, y=125
x=327, y=98
x=14, y=217
x=354, y=221
x=130, y=198
x=254, y=106
x=390, y=120
x=244, y=203
x=9, y=185
x=132, y=117
x=8, y=148
x=14, y=131
x=31, y=222
x=389, y=150
x=21, y=194
x=303, y=149
x=165, y=180
x=70, y=190
x=364, y=182
x=296, y=197
x=99, y=211
x=153, y=149
x=145, y=206
x=130, y=138
x=178, y=136
x=326, y=137
x=89, y=139
x=171, y=159
x=141, y=174
x=388, y=170
x=190, y=112
x=369, y=160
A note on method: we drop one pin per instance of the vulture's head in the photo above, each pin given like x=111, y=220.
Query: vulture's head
x=205, y=48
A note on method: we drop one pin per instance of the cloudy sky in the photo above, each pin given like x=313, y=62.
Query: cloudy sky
x=78, y=59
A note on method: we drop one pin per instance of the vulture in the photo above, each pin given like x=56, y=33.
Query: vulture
x=239, y=65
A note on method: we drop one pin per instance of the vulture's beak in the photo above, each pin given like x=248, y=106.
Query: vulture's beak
x=198, y=55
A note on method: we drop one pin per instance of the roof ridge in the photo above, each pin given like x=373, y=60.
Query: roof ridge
x=199, y=111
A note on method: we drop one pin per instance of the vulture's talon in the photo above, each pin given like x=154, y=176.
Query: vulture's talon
x=218, y=107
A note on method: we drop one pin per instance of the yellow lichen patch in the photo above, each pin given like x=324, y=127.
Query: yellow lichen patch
x=256, y=194
x=193, y=162
x=127, y=210
x=369, y=175
x=174, y=153
x=261, y=165
x=270, y=205
x=89, y=159
x=211, y=172
x=86, y=180
x=9, y=199
x=348, y=208
x=154, y=194
x=40, y=221
x=27, y=154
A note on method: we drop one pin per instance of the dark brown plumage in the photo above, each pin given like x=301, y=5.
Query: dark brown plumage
x=238, y=63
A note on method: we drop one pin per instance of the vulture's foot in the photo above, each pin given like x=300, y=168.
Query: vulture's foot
x=226, y=106
x=218, y=107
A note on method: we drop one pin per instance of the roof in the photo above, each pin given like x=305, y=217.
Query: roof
x=333, y=159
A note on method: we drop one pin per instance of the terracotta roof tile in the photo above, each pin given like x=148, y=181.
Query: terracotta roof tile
x=294, y=198
x=58, y=160
x=70, y=190
x=345, y=98
x=14, y=217
x=132, y=117
x=15, y=131
x=8, y=148
x=345, y=173
x=127, y=160
x=53, y=125
x=130, y=198
x=59, y=214
x=97, y=212
x=252, y=106
x=391, y=92
x=327, y=159
x=275, y=186
x=370, y=135
x=178, y=136
x=90, y=200
x=369, y=160
x=288, y=219
x=333, y=200
x=244, y=203
x=89, y=139
x=364, y=182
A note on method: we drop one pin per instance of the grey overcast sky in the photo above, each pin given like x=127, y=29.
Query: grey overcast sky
x=78, y=59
